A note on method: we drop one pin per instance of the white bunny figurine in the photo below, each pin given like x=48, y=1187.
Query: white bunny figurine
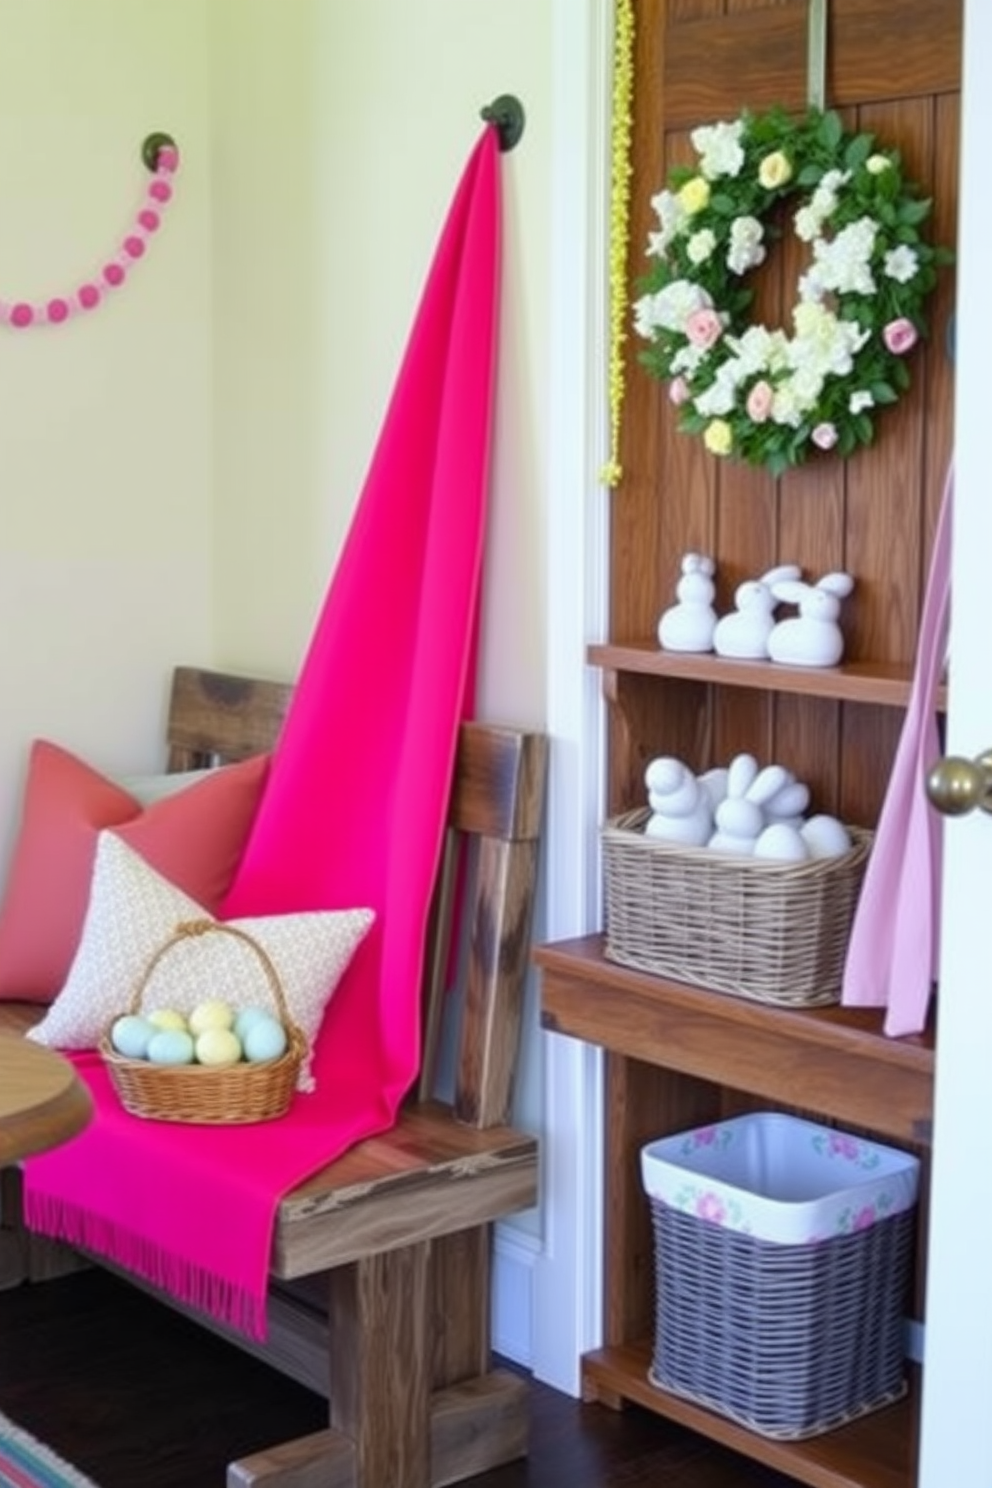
x=740, y=818
x=744, y=632
x=714, y=783
x=680, y=807
x=689, y=624
x=813, y=637
x=788, y=805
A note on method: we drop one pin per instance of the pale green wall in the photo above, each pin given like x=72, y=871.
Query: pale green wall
x=105, y=517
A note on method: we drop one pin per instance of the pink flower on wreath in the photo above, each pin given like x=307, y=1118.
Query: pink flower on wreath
x=710, y=1206
x=759, y=402
x=703, y=328
x=824, y=436
x=900, y=336
x=678, y=391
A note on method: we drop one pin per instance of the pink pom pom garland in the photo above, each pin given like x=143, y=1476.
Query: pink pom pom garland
x=56, y=310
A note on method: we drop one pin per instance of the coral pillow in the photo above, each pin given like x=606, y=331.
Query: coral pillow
x=133, y=911
x=195, y=838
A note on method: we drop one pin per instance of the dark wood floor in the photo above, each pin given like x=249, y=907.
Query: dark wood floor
x=137, y=1397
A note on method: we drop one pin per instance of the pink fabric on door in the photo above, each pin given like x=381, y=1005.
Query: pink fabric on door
x=893, y=950
x=353, y=814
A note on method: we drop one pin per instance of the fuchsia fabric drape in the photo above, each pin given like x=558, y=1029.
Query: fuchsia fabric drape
x=353, y=814
x=893, y=950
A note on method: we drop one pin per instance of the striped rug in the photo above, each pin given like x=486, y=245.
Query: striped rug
x=26, y=1463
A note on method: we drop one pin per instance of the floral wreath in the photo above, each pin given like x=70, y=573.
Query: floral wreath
x=762, y=395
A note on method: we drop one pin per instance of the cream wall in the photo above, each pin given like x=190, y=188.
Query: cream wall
x=105, y=524
x=339, y=135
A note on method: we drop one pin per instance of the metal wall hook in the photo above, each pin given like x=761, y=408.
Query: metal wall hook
x=152, y=145
x=507, y=113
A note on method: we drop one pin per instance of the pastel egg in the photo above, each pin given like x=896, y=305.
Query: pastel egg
x=171, y=1046
x=131, y=1035
x=218, y=1047
x=266, y=1039
x=167, y=1018
x=210, y=1014
x=781, y=843
x=825, y=836
x=246, y=1017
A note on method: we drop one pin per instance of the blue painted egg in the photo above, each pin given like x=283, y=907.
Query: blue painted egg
x=265, y=1039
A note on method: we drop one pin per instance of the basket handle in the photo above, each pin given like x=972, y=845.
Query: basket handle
x=188, y=930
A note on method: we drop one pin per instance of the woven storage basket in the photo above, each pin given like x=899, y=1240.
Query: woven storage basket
x=788, y=1340
x=774, y=932
x=200, y=1093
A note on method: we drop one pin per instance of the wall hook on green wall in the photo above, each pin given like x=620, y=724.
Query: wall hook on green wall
x=507, y=113
x=152, y=146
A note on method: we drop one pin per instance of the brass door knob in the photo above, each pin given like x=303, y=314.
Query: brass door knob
x=956, y=786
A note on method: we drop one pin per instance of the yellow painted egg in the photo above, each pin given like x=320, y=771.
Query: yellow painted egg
x=166, y=1018
x=210, y=1014
x=218, y=1047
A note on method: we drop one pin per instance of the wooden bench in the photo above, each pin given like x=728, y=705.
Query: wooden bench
x=380, y=1269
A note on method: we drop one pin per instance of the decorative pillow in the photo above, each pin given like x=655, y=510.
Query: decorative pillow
x=194, y=837
x=132, y=913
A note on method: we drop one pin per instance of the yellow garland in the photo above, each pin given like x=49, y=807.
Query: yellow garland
x=622, y=124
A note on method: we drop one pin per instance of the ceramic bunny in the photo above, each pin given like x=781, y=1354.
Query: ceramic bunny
x=714, y=783
x=680, y=807
x=813, y=637
x=788, y=804
x=689, y=624
x=744, y=632
x=740, y=818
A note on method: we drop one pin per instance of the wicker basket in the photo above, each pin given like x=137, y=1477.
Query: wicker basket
x=774, y=932
x=788, y=1340
x=200, y=1093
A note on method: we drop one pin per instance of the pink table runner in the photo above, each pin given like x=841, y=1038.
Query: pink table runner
x=353, y=813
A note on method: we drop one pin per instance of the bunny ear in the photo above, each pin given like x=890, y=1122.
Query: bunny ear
x=840, y=584
x=793, y=591
x=780, y=572
x=740, y=773
x=767, y=783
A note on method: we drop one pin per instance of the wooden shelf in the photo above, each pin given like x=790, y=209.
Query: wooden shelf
x=873, y=1452
x=833, y=1060
x=855, y=682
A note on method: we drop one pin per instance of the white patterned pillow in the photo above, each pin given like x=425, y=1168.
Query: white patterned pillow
x=133, y=911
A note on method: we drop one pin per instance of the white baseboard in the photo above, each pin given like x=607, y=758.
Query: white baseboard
x=515, y=1254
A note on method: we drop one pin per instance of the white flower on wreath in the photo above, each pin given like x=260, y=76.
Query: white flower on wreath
x=860, y=400
x=671, y=215
x=719, y=148
x=745, y=250
x=842, y=265
x=720, y=397
x=700, y=246
x=670, y=308
x=901, y=263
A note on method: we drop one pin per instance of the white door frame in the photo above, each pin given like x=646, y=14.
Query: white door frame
x=957, y=1387
x=567, y=1289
